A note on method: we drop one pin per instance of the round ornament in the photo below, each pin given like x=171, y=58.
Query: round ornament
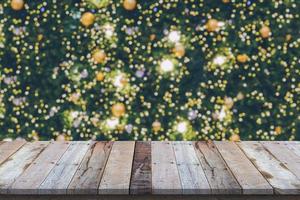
x=118, y=109
x=87, y=19
x=129, y=4
x=17, y=4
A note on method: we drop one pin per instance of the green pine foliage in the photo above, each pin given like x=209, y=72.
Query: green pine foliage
x=166, y=70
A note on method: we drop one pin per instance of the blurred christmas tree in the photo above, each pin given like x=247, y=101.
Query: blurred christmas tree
x=163, y=69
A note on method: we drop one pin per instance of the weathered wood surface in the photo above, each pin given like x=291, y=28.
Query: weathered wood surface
x=9, y=148
x=62, y=173
x=249, y=178
x=218, y=175
x=141, y=180
x=165, y=176
x=87, y=178
x=31, y=179
x=191, y=173
x=116, y=177
x=213, y=170
x=18, y=163
x=276, y=173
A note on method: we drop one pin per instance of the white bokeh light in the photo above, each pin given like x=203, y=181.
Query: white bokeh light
x=112, y=123
x=219, y=60
x=166, y=65
x=181, y=127
x=174, y=36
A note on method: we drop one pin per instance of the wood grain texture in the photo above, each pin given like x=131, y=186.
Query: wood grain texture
x=165, y=176
x=277, y=174
x=9, y=148
x=215, y=170
x=284, y=155
x=117, y=173
x=150, y=197
x=218, y=175
x=192, y=176
x=249, y=178
x=18, y=163
x=35, y=174
x=61, y=175
x=293, y=146
x=87, y=178
x=141, y=179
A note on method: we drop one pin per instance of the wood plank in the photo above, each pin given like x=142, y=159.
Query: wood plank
x=284, y=155
x=87, y=178
x=165, y=176
x=35, y=174
x=192, y=176
x=61, y=175
x=293, y=146
x=149, y=197
x=116, y=177
x=18, y=163
x=249, y=178
x=218, y=175
x=141, y=178
x=9, y=148
x=280, y=177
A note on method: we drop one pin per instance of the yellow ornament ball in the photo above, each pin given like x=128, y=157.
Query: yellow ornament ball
x=99, y=56
x=156, y=126
x=118, y=109
x=235, y=138
x=17, y=4
x=212, y=25
x=100, y=76
x=152, y=37
x=265, y=32
x=179, y=50
x=278, y=130
x=242, y=58
x=129, y=4
x=87, y=19
x=60, y=137
x=288, y=37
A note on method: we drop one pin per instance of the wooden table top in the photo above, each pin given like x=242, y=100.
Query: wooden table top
x=130, y=167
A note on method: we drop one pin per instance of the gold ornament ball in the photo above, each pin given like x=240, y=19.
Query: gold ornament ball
x=152, y=37
x=235, y=138
x=129, y=4
x=156, y=126
x=179, y=50
x=242, y=58
x=265, y=32
x=212, y=25
x=17, y=4
x=60, y=137
x=278, y=130
x=226, y=1
x=99, y=56
x=87, y=19
x=100, y=76
x=288, y=37
x=118, y=109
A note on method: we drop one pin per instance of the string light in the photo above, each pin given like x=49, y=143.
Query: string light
x=174, y=36
x=109, y=30
x=112, y=123
x=120, y=81
x=167, y=66
x=131, y=70
x=219, y=60
x=182, y=127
